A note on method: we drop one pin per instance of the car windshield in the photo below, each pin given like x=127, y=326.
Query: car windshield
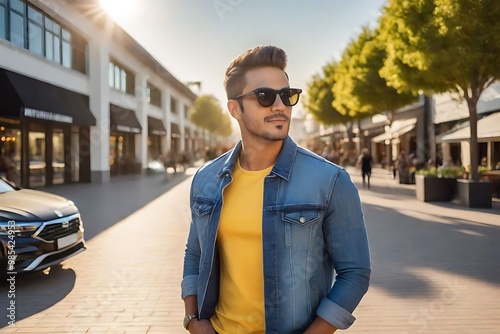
x=5, y=187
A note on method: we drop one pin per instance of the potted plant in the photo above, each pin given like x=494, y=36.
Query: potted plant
x=437, y=184
x=474, y=194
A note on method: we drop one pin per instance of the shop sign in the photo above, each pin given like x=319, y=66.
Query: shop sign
x=124, y=128
x=47, y=115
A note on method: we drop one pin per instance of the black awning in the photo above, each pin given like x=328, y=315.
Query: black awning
x=28, y=97
x=156, y=127
x=123, y=119
x=175, y=131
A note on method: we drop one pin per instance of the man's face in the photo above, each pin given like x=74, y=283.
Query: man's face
x=268, y=123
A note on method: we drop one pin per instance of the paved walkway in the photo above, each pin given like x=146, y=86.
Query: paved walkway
x=435, y=265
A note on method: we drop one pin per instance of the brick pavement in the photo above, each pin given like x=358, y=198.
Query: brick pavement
x=435, y=265
x=435, y=269
x=126, y=282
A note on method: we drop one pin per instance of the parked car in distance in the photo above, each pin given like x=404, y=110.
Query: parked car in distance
x=37, y=229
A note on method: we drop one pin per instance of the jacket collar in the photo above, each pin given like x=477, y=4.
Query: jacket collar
x=282, y=168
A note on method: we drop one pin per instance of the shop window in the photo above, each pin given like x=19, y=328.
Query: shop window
x=57, y=49
x=496, y=154
x=35, y=31
x=10, y=154
x=111, y=74
x=121, y=78
x=52, y=40
x=75, y=155
x=17, y=5
x=37, y=159
x=3, y=20
x=58, y=164
x=28, y=27
x=66, y=48
x=49, y=45
x=116, y=84
x=79, y=53
x=17, y=29
x=173, y=105
x=154, y=95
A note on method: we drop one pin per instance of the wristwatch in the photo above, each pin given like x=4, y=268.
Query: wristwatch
x=188, y=318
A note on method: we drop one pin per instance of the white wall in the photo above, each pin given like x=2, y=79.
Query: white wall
x=95, y=83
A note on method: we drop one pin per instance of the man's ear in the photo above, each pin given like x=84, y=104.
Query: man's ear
x=234, y=109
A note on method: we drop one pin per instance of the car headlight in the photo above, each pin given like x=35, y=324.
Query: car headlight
x=12, y=227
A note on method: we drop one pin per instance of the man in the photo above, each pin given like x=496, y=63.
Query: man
x=366, y=162
x=271, y=221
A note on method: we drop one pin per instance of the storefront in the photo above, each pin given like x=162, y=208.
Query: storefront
x=398, y=137
x=187, y=140
x=175, y=138
x=156, y=135
x=44, y=132
x=124, y=129
x=488, y=138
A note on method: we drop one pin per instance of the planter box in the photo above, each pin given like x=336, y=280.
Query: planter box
x=435, y=189
x=406, y=178
x=474, y=194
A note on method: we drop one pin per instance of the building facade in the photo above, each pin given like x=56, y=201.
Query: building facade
x=81, y=101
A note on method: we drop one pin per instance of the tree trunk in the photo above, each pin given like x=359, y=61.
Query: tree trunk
x=474, y=158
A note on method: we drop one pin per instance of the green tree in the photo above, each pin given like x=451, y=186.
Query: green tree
x=319, y=101
x=207, y=113
x=359, y=87
x=444, y=46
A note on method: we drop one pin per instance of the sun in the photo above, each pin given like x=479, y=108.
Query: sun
x=118, y=9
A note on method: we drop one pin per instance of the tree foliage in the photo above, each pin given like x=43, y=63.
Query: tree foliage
x=441, y=46
x=319, y=102
x=207, y=113
x=359, y=87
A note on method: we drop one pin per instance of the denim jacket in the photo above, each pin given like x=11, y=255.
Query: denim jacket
x=312, y=228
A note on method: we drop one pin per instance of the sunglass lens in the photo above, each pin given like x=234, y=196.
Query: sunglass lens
x=290, y=97
x=266, y=97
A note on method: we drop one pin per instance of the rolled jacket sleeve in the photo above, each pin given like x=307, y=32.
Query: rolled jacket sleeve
x=347, y=243
x=334, y=314
x=189, y=284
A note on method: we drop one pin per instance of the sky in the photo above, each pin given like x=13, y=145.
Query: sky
x=196, y=40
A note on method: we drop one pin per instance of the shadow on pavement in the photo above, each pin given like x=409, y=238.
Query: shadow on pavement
x=406, y=243
x=103, y=205
x=389, y=191
x=36, y=292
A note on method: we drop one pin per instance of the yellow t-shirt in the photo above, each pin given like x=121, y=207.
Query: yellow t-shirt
x=241, y=295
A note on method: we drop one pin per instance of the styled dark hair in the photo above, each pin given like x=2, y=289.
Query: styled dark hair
x=260, y=56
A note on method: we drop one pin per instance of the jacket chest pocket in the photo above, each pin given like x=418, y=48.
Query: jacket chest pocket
x=301, y=227
x=201, y=212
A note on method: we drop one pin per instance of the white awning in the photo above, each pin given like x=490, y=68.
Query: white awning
x=397, y=129
x=488, y=129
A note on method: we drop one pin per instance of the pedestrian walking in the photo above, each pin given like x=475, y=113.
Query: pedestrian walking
x=271, y=221
x=366, y=162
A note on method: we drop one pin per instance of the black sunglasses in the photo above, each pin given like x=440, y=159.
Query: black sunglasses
x=267, y=96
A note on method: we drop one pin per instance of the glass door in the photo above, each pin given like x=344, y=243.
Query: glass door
x=37, y=159
x=115, y=153
x=10, y=154
x=58, y=164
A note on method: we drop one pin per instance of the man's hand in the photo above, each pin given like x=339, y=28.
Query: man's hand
x=200, y=327
x=320, y=326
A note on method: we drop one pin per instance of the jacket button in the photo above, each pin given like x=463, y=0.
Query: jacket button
x=302, y=219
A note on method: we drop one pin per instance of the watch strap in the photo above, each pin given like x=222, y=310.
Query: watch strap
x=188, y=318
